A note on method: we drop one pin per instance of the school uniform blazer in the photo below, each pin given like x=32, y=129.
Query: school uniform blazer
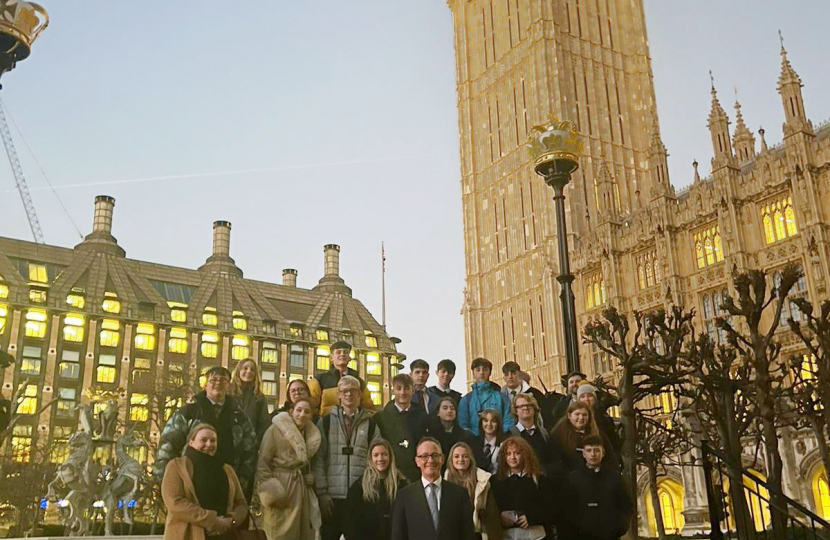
x=411, y=519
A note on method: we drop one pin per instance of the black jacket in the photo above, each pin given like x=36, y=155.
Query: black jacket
x=411, y=519
x=477, y=443
x=533, y=499
x=365, y=520
x=403, y=431
x=434, y=428
x=438, y=393
x=256, y=407
x=572, y=460
x=601, y=508
x=540, y=442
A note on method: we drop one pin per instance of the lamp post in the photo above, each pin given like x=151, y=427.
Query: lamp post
x=21, y=23
x=555, y=149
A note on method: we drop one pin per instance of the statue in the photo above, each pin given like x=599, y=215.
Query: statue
x=74, y=474
x=124, y=486
x=108, y=420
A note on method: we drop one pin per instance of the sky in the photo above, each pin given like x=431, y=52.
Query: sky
x=308, y=123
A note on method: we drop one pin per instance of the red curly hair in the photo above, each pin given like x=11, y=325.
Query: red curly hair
x=530, y=462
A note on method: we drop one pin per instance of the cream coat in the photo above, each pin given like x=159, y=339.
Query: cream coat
x=284, y=481
x=186, y=520
x=484, y=506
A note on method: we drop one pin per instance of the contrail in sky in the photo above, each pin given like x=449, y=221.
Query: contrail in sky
x=235, y=173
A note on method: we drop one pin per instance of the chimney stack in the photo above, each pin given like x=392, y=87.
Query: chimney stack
x=102, y=221
x=221, y=238
x=289, y=277
x=332, y=260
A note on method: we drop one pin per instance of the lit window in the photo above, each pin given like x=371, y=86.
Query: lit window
x=594, y=290
x=38, y=273
x=269, y=327
x=809, y=369
x=106, y=369
x=210, y=344
x=778, y=218
x=821, y=493
x=145, y=337
x=322, y=335
x=295, y=377
x=70, y=365
x=239, y=321
x=73, y=328
x=4, y=289
x=76, y=301
x=323, y=358
x=139, y=410
x=110, y=336
x=4, y=312
x=270, y=353
x=65, y=407
x=35, y=323
x=28, y=403
x=295, y=331
x=60, y=444
x=297, y=357
x=614, y=411
x=111, y=303
x=240, y=349
x=789, y=309
x=269, y=382
x=648, y=271
x=373, y=366
x=178, y=311
x=171, y=405
x=600, y=360
x=178, y=340
x=708, y=249
x=31, y=362
x=37, y=296
x=374, y=391
x=352, y=364
x=209, y=317
x=21, y=443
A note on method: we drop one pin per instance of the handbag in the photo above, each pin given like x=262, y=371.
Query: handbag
x=242, y=532
x=534, y=532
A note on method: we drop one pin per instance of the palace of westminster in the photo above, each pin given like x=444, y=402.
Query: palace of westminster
x=88, y=324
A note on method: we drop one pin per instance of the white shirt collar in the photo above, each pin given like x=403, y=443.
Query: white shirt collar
x=426, y=482
x=441, y=388
x=214, y=402
x=522, y=429
x=523, y=388
x=519, y=474
x=401, y=409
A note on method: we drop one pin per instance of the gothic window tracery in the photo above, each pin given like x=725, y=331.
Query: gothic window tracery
x=648, y=270
x=778, y=218
x=708, y=247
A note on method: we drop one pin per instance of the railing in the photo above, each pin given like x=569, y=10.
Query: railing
x=762, y=513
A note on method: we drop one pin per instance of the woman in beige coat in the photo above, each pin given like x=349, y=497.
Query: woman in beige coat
x=284, y=478
x=202, y=494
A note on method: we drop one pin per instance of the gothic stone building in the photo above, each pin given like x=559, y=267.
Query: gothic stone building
x=636, y=242
x=90, y=324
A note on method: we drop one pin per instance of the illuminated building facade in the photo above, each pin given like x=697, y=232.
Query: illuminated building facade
x=637, y=243
x=89, y=320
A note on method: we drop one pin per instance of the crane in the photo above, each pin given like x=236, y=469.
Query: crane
x=20, y=178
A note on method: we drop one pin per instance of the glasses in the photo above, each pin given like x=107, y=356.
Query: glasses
x=350, y=391
x=219, y=380
x=523, y=407
x=427, y=457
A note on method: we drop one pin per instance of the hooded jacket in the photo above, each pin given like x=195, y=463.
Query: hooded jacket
x=484, y=395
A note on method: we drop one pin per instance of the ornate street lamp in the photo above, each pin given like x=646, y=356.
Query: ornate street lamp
x=21, y=23
x=555, y=149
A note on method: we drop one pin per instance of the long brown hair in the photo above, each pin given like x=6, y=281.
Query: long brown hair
x=236, y=383
x=532, y=467
x=466, y=479
x=371, y=476
x=497, y=417
x=565, y=433
x=304, y=384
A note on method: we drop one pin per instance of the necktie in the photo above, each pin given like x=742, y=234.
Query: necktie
x=432, y=500
x=512, y=395
x=488, y=453
x=217, y=409
x=531, y=432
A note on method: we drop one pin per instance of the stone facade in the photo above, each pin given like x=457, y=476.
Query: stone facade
x=635, y=242
x=89, y=321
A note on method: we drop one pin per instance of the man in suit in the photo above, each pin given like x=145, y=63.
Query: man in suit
x=431, y=509
x=402, y=424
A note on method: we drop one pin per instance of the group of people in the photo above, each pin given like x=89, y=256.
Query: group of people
x=499, y=462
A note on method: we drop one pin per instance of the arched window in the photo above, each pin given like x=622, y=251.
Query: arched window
x=708, y=247
x=821, y=493
x=778, y=218
x=670, y=496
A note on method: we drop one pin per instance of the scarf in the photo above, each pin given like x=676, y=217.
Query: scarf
x=210, y=481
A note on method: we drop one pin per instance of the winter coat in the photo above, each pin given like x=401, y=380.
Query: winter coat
x=601, y=506
x=528, y=496
x=540, y=442
x=368, y=520
x=435, y=394
x=284, y=480
x=256, y=407
x=435, y=429
x=340, y=461
x=324, y=391
x=186, y=519
x=173, y=440
x=484, y=395
x=484, y=506
x=403, y=432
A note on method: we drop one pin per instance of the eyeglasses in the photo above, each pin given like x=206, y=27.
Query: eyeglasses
x=348, y=391
x=525, y=406
x=218, y=380
x=427, y=457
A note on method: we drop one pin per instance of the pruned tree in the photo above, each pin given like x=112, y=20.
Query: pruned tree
x=24, y=485
x=14, y=417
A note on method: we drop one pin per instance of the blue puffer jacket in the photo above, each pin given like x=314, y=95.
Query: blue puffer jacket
x=484, y=395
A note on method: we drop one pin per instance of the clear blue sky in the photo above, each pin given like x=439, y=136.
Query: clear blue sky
x=347, y=112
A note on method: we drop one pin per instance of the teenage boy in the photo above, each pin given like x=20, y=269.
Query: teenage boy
x=602, y=507
x=558, y=404
x=526, y=410
x=323, y=387
x=419, y=371
x=484, y=395
x=514, y=385
x=403, y=425
x=445, y=372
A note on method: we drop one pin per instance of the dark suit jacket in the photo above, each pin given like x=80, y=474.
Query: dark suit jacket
x=403, y=432
x=411, y=519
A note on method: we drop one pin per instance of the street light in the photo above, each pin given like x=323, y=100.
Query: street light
x=21, y=23
x=555, y=149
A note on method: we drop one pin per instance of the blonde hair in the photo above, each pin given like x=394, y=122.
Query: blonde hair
x=199, y=427
x=236, y=383
x=371, y=476
x=466, y=479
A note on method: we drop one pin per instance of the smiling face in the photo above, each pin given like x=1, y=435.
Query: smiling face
x=301, y=414
x=340, y=359
x=588, y=399
x=444, y=377
x=247, y=372
x=349, y=396
x=573, y=384
x=403, y=395
x=296, y=390
x=514, y=457
x=490, y=425
x=204, y=441
x=380, y=458
x=447, y=412
x=217, y=386
x=429, y=459
x=512, y=379
x=525, y=411
x=579, y=419
x=460, y=459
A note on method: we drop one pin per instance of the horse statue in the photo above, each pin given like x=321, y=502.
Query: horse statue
x=73, y=474
x=124, y=486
